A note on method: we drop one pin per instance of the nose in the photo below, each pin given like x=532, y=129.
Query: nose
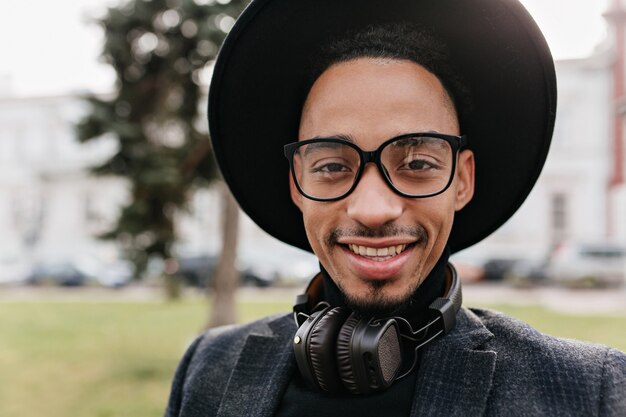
x=373, y=203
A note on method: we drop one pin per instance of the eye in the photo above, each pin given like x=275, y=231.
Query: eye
x=331, y=167
x=415, y=163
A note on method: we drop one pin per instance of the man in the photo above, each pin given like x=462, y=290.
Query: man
x=412, y=129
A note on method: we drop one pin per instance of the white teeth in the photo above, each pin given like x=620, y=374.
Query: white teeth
x=377, y=252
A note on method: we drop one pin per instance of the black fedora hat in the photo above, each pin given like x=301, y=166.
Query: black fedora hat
x=260, y=82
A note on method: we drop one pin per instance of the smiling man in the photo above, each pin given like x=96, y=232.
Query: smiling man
x=411, y=130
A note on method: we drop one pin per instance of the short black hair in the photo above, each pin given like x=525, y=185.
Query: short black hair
x=400, y=42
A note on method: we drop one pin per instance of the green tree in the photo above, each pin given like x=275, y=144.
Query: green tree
x=161, y=51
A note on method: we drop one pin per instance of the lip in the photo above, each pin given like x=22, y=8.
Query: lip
x=382, y=243
x=377, y=270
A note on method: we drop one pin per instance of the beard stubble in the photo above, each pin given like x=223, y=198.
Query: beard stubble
x=376, y=303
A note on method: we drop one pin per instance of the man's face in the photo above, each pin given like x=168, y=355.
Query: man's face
x=369, y=101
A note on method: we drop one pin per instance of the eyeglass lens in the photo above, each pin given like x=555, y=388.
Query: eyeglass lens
x=416, y=166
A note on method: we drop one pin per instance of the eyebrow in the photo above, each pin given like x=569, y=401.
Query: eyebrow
x=350, y=138
x=421, y=140
x=346, y=137
x=321, y=145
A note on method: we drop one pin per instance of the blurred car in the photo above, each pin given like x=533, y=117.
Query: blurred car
x=511, y=271
x=468, y=272
x=469, y=265
x=526, y=272
x=579, y=264
x=62, y=273
x=80, y=271
x=199, y=270
x=260, y=267
x=115, y=274
x=281, y=264
x=496, y=269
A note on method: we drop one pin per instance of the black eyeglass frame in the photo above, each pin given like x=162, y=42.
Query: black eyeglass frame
x=457, y=143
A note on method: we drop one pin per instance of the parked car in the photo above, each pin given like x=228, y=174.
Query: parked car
x=199, y=270
x=577, y=264
x=496, y=269
x=282, y=265
x=511, y=271
x=260, y=267
x=527, y=272
x=83, y=270
x=62, y=273
x=470, y=266
x=115, y=274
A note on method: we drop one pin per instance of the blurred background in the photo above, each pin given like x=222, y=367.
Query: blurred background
x=119, y=243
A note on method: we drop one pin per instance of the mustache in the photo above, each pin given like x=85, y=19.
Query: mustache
x=386, y=230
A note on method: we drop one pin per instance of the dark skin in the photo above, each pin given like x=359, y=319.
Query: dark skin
x=376, y=245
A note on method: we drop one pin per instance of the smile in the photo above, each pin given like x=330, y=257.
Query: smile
x=378, y=254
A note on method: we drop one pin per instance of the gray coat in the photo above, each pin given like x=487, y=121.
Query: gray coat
x=489, y=365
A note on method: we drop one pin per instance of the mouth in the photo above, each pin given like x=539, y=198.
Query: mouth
x=378, y=254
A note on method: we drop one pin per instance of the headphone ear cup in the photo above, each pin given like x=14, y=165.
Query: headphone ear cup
x=322, y=340
x=344, y=354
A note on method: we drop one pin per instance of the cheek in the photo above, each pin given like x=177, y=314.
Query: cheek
x=319, y=221
x=436, y=215
x=311, y=228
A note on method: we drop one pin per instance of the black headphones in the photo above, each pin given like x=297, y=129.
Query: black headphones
x=336, y=350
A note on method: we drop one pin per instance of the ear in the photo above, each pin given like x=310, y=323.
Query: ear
x=296, y=197
x=465, y=179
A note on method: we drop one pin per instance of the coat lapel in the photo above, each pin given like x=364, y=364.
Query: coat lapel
x=455, y=374
x=262, y=372
x=454, y=378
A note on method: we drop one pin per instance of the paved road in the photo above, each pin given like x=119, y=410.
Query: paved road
x=579, y=301
x=576, y=301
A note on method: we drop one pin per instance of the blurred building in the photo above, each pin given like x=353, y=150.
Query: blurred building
x=51, y=207
x=581, y=194
x=49, y=204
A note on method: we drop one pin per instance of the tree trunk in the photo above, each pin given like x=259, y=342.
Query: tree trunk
x=226, y=278
x=173, y=286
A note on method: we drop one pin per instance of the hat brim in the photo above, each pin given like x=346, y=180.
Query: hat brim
x=260, y=82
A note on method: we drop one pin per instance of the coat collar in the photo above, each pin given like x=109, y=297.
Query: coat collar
x=456, y=371
x=262, y=371
x=454, y=377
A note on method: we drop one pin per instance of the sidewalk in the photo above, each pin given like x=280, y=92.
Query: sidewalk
x=566, y=300
x=571, y=301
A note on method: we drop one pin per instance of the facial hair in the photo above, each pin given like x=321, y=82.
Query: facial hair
x=376, y=304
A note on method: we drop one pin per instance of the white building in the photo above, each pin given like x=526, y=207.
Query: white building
x=50, y=206
x=580, y=195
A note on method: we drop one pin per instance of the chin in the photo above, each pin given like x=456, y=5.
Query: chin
x=377, y=299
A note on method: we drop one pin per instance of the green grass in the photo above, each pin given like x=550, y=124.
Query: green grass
x=608, y=330
x=108, y=359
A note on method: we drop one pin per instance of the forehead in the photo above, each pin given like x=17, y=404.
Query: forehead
x=373, y=99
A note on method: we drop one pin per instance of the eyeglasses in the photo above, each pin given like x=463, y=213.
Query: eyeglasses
x=416, y=165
